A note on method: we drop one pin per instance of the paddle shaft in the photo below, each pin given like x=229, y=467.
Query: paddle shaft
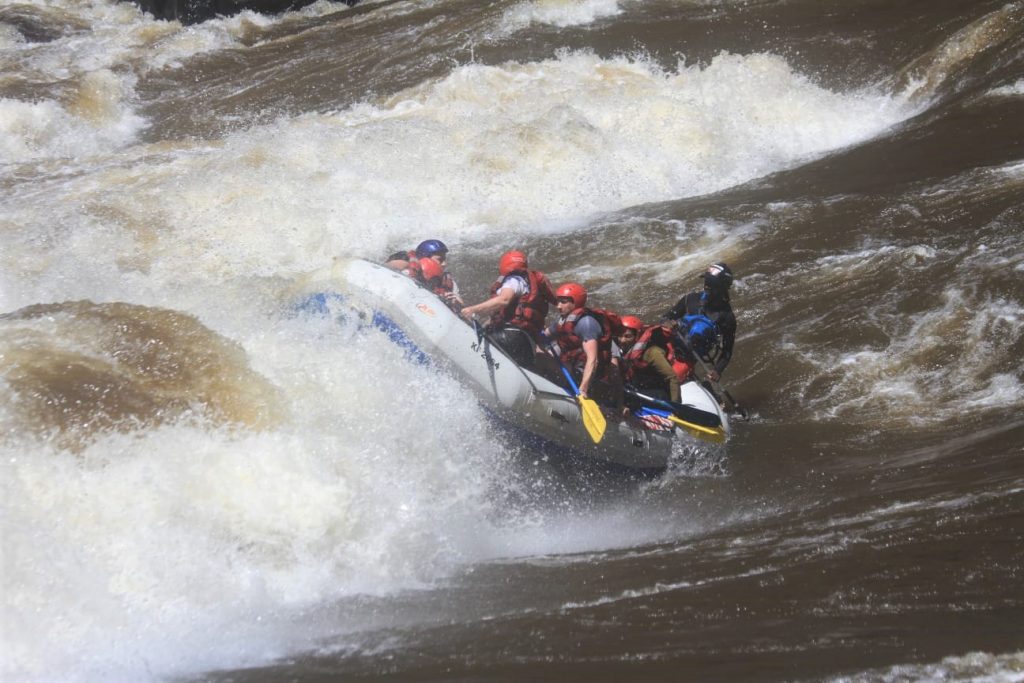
x=690, y=413
x=716, y=435
x=734, y=406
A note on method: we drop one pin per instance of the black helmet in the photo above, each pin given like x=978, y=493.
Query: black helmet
x=718, y=277
x=430, y=247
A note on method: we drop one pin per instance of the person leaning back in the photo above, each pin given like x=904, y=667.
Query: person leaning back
x=417, y=265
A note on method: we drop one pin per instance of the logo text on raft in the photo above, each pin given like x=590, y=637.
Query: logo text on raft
x=485, y=354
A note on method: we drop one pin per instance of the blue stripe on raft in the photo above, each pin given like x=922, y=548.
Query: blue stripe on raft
x=332, y=303
x=320, y=303
x=395, y=334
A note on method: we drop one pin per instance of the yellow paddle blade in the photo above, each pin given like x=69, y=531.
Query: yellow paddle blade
x=715, y=435
x=593, y=418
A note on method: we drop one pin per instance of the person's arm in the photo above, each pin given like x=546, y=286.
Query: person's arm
x=503, y=298
x=545, y=339
x=677, y=311
x=727, y=327
x=453, y=297
x=590, y=349
x=655, y=356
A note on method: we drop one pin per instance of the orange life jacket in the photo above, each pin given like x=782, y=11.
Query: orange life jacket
x=529, y=310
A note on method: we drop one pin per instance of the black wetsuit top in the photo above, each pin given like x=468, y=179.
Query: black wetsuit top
x=720, y=312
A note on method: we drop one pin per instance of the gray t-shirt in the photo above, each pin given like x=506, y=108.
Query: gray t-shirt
x=587, y=328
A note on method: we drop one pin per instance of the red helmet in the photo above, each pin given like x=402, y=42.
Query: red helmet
x=511, y=261
x=430, y=269
x=576, y=292
x=631, y=322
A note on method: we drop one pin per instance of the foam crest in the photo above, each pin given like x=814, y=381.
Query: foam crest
x=561, y=13
x=925, y=76
x=537, y=147
x=172, y=48
x=978, y=667
x=98, y=119
x=107, y=34
x=1015, y=89
x=93, y=42
x=91, y=36
x=954, y=358
x=9, y=37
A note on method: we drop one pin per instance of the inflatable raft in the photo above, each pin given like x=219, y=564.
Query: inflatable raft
x=540, y=412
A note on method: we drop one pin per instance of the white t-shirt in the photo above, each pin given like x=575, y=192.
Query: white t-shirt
x=517, y=283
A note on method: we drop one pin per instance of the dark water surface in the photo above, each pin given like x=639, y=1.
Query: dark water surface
x=305, y=506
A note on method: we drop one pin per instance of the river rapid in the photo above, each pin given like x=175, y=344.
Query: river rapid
x=199, y=483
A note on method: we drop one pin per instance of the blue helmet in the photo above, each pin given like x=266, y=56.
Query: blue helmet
x=428, y=248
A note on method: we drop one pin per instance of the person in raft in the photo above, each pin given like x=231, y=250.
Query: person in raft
x=517, y=307
x=583, y=339
x=707, y=325
x=412, y=263
x=647, y=357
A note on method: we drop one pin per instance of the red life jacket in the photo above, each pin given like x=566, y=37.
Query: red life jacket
x=440, y=287
x=529, y=310
x=445, y=286
x=572, y=346
x=634, y=362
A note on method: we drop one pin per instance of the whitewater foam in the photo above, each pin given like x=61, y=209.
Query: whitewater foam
x=120, y=557
x=533, y=148
x=111, y=45
x=97, y=120
x=560, y=13
x=942, y=362
x=1011, y=90
x=977, y=667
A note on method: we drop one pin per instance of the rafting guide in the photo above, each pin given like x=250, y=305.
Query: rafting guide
x=707, y=325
